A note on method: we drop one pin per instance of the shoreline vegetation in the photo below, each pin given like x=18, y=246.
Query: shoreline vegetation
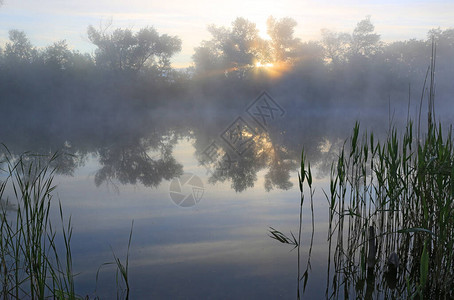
x=394, y=200
x=130, y=72
x=132, y=101
x=31, y=265
x=395, y=196
x=391, y=201
x=35, y=256
x=391, y=230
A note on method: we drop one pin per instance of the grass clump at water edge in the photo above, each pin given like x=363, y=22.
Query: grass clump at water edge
x=391, y=207
x=394, y=201
x=32, y=266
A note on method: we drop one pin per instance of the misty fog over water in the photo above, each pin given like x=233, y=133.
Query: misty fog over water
x=127, y=125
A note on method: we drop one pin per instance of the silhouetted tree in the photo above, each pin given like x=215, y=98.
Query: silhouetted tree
x=236, y=49
x=284, y=46
x=123, y=50
x=341, y=47
x=57, y=55
x=364, y=41
x=407, y=59
x=311, y=52
x=19, y=49
x=336, y=46
x=444, y=41
x=205, y=59
x=439, y=35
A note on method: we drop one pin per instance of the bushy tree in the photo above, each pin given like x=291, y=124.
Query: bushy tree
x=340, y=47
x=57, y=55
x=444, y=41
x=407, y=59
x=311, y=52
x=284, y=46
x=336, y=46
x=19, y=48
x=123, y=50
x=236, y=49
x=364, y=41
x=239, y=48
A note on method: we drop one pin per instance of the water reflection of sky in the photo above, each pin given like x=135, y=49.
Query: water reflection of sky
x=217, y=249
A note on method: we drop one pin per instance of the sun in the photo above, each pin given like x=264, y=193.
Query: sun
x=266, y=65
x=271, y=69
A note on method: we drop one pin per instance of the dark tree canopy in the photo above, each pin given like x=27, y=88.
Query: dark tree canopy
x=336, y=45
x=235, y=49
x=340, y=47
x=284, y=46
x=123, y=50
x=56, y=95
x=58, y=55
x=240, y=48
x=19, y=48
x=364, y=41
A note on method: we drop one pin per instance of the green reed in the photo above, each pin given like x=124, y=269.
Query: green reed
x=122, y=271
x=33, y=264
x=305, y=174
x=404, y=189
x=391, y=212
x=408, y=189
x=30, y=263
x=391, y=207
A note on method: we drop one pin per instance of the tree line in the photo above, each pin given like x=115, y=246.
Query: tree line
x=132, y=69
x=112, y=101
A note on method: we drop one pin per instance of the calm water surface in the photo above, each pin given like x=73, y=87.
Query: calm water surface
x=210, y=238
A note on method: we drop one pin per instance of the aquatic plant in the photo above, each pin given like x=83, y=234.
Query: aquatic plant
x=121, y=275
x=391, y=202
x=31, y=265
x=304, y=174
x=394, y=200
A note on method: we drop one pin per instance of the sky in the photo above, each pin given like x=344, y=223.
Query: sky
x=48, y=21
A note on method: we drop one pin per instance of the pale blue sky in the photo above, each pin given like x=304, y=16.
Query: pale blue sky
x=47, y=21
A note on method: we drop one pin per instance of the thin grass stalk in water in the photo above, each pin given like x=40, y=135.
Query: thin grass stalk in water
x=304, y=174
x=121, y=270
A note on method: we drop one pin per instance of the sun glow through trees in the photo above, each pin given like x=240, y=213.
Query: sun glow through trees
x=264, y=65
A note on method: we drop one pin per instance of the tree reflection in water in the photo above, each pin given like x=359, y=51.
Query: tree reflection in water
x=130, y=161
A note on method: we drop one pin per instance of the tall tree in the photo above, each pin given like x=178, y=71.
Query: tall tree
x=284, y=46
x=235, y=49
x=444, y=41
x=364, y=41
x=336, y=46
x=443, y=37
x=19, y=48
x=57, y=55
x=341, y=47
x=408, y=57
x=123, y=50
